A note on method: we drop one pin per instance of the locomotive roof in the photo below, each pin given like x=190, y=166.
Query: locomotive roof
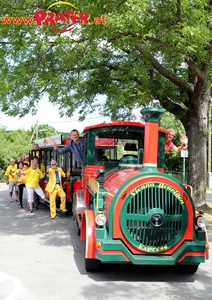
x=119, y=123
x=58, y=138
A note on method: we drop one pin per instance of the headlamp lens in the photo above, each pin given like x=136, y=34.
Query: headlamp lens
x=201, y=222
x=100, y=219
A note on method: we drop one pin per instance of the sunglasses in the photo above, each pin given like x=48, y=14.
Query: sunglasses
x=53, y=164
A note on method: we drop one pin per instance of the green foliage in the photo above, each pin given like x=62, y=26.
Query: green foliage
x=14, y=143
x=169, y=120
x=173, y=160
x=112, y=59
x=42, y=131
x=149, y=52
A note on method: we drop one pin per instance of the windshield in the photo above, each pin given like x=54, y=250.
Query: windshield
x=113, y=145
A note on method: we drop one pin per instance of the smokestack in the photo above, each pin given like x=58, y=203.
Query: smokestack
x=152, y=118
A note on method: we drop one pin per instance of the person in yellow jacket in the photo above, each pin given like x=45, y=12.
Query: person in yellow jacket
x=11, y=178
x=34, y=175
x=54, y=188
x=21, y=180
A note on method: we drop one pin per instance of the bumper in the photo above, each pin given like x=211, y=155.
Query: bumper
x=115, y=251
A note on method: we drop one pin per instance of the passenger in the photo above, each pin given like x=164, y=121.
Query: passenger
x=21, y=180
x=76, y=146
x=54, y=188
x=37, y=153
x=11, y=178
x=26, y=159
x=41, y=165
x=169, y=145
x=36, y=197
x=20, y=159
x=34, y=175
x=36, y=147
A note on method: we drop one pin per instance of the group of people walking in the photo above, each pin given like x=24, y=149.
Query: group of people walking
x=20, y=175
x=27, y=174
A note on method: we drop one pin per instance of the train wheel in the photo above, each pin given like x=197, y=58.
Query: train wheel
x=188, y=269
x=92, y=265
x=69, y=208
x=78, y=228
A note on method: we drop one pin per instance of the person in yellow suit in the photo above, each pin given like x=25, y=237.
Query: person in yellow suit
x=54, y=188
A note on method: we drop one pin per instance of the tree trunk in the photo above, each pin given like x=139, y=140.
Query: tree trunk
x=196, y=124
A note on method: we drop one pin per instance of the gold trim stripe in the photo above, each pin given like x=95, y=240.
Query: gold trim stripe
x=93, y=186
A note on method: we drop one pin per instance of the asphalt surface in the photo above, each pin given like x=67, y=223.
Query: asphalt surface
x=209, y=196
x=43, y=259
x=39, y=252
x=209, y=199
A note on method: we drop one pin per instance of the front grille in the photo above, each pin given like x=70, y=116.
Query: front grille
x=154, y=218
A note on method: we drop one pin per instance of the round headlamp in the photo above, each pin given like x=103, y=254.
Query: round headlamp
x=100, y=219
x=201, y=222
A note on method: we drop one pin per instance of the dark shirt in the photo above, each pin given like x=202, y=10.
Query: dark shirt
x=57, y=177
x=77, y=150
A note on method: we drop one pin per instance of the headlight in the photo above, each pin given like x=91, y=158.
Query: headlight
x=100, y=219
x=201, y=222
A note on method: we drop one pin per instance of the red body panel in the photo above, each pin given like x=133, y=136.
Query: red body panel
x=88, y=233
x=151, y=143
x=68, y=191
x=77, y=185
x=42, y=184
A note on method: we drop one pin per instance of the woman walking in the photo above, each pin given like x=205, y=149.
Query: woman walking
x=21, y=180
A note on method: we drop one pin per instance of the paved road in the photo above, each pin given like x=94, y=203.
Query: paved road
x=209, y=196
x=42, y=259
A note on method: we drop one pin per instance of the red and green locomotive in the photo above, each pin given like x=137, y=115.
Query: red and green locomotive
x=126, y=208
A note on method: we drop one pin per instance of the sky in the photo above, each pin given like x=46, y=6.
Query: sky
x=48, y=114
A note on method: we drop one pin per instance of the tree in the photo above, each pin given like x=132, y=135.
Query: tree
x=42, y=131
x=12, y=145
x=173, y=160
x=147, y=50
x=16, y=142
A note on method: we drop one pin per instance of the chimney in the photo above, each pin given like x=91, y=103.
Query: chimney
x=152, y=118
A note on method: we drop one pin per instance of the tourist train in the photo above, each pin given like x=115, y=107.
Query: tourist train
x=126, y=209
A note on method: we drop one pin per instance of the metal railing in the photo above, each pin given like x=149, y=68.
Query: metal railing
x=183, y=177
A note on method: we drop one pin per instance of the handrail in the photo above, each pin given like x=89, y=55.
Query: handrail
x=189, y=187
